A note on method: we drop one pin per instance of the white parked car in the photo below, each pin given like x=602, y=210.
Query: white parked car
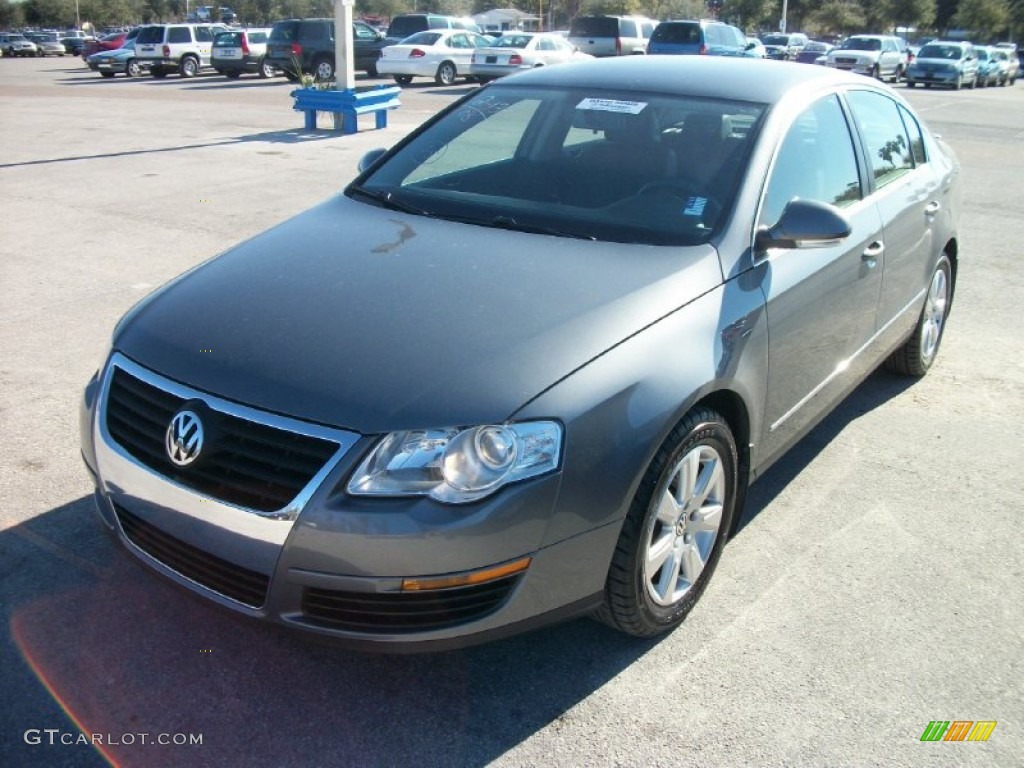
x=443, y=54
x=514, y=51
x=878, y=56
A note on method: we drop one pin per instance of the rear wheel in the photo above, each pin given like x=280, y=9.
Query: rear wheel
x=189, y=66
x=918, y=353
x=107, y=74
x=403, y=79
x=233, y=74
x=266, y=69
x=323, y=70
x=132, y=68
x=677, y=524
x=158, y=72
x=446, y=73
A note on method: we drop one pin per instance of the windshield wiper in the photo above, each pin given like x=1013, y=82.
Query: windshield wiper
x=388, y=200
x=507, y=222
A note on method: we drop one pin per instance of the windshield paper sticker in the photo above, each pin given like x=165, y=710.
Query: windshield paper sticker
x=695, y=206
x=611, y=105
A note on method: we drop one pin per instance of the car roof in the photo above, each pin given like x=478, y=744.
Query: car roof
x=722, y=77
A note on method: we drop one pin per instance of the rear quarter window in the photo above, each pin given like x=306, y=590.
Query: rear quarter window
x=594, y=26
x=284, y=32
x=150, y=35
x=627, y=28
x=679, y=34
x=257, y=37
x=179, y=35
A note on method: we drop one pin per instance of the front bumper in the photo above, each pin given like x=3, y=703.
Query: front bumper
x=335, y=565
x=937, y=77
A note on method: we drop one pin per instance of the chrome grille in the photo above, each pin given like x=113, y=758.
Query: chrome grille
x=248, y=464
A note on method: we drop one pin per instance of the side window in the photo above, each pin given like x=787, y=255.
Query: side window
x=879, y=122
x=178, y=35
x=647, y=29
x=916, y=139
x=627, y=28
x=545, y=45
x=204, y=34
x=816, y=161
x=363, y=32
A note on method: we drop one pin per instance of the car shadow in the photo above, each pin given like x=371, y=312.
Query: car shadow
x=876, y=390
x=100, y=646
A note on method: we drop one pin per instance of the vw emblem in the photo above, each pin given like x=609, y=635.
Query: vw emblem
x=184, y=438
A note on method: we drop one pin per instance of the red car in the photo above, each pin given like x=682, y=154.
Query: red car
x=109, y=42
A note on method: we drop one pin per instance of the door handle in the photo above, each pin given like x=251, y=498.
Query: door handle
x=872, y=252
x=932, y=208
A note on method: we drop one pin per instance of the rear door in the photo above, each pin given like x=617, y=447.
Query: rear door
x=907, y=190
x=149, y=42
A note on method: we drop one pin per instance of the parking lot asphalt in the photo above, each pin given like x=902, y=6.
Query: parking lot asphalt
x=875, y=585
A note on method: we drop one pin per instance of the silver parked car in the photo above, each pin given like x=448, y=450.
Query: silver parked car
x=527, y=364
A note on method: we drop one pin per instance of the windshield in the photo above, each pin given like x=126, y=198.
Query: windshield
x=862, y=44
x=775, y=40
x=940, y=52
x=579, y=162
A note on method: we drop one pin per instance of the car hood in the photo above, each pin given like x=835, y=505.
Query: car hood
x=368, y=319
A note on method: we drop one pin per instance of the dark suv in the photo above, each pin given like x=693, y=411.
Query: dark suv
x=311, y=42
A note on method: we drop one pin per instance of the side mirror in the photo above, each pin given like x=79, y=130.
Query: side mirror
x=370, y=158
x=803, y=224
x=750, y=46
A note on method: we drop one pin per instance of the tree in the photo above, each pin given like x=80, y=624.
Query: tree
x=837, y=18
x=746, y=14
x=986, y=18
x=12, y=15
x=910, y=13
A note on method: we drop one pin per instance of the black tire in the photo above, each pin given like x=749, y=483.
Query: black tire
x=266, y=70
x=232, y=74
x=446, y=73
x=918, y=353
x=876, y=72
x=371, y=71
x=107, y=74
x=132, y=68
x=631, y=598
x=158, y=72
x=189, y=66
x=292, y=77
x=403, y=79
x=910, y=83
x=323, y=70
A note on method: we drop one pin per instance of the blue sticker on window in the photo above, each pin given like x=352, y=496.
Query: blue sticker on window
x=695, y=206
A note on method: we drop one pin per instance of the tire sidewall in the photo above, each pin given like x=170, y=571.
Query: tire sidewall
x=712, y=431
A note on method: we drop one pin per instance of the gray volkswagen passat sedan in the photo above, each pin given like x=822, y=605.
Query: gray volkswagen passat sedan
x=527, y=364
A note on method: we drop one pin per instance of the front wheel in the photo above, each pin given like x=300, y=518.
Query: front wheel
x=876, y=72
x=266, y=69
x=132, y=68
x=446, y=73
x=107, y=74
x=158, y=72
x=403, y=79
x=918, y=353
x=677, y=524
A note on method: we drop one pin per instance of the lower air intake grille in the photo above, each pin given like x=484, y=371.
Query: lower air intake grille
x=228, y=579
x=404, y=611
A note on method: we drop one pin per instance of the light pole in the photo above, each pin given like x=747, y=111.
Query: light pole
x=782, y=21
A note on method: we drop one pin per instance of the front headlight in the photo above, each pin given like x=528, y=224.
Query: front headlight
x=456, y=466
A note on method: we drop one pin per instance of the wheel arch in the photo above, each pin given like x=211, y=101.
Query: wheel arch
x=731, y=407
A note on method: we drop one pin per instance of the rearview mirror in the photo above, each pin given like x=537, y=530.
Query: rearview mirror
x=803, y=224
